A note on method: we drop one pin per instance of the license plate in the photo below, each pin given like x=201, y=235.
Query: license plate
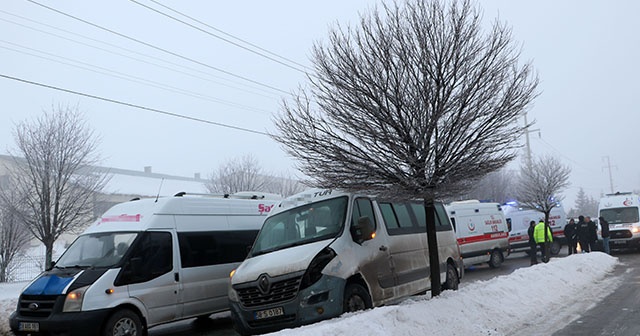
x=29, y=326
x=619, y=242
x=267, y=313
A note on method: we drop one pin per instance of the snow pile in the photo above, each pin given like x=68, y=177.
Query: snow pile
x=542, y=296
x=548, y=295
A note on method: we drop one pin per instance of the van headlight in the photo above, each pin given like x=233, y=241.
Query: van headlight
x=314, y=271
x=73, y=301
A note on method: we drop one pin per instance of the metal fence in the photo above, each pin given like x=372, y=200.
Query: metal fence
x=26, y=267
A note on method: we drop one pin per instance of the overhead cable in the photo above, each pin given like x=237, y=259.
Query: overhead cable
x=133, y=105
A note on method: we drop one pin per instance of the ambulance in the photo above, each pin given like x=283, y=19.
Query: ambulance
x=518, y=219
x=621, y=211
x=481, y=230
x=325, y=252
x=144, y=263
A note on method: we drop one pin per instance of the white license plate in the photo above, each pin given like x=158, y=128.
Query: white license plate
x=620, y=242
x=267, y=313
x=29, y=326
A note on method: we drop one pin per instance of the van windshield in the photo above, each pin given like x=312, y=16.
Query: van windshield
x=302, y=225
x=620, y=215
x=103, y=249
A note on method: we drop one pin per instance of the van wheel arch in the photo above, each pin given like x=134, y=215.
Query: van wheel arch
x=453, y=278
x=134, y=310
x=356, y=288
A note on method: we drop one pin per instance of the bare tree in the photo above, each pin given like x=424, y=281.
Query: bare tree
x=55, y=174
x=240, y=174
x=13, y=233
x=415, y=102
x=496, y=187
x=540, y=185
x=287, y=185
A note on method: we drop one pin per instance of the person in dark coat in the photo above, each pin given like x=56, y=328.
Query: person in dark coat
x=604, y=229
x=571, y=235
x=582, y=231
x=593, y=233
x=533, y=251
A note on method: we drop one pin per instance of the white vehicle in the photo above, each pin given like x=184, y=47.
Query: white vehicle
x=620, y=210
x=324, y=252
x=518, y=220
x=482, y=232
x=144, y=263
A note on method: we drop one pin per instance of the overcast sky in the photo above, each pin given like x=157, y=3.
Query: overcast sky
x=584, y=51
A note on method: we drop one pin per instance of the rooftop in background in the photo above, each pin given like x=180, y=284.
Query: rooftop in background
x=140, y=183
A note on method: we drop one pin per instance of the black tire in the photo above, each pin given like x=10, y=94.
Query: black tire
x=123, y=322
x=496, y=259
x=555, y=247
x=356, y=298
x=453, y=280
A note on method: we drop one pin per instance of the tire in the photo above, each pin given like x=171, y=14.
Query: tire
x=123, y=322
x=356, y=298
x=555, y=247
x=496, y=259
x=452, y=281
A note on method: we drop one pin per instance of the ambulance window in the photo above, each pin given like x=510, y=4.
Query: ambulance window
x=509, y=224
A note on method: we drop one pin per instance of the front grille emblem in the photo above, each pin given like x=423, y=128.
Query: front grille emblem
x=33, y=306
x=264, y=285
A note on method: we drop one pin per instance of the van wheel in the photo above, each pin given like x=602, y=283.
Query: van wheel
x=452, y=278
x=555, y=247
x=356, y=298
x=496, y=259
x=123, y=322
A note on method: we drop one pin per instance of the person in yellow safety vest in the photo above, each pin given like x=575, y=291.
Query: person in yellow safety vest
x=538, y=235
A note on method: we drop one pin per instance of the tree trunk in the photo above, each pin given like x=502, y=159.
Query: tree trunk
x=48, y=257
x=432, y=242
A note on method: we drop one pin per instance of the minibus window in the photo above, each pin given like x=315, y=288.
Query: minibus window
x=97, y=250
x=362, y=207
x=151, y=257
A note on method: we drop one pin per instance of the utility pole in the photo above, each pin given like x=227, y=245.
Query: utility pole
x=609, y=168
x=526, y=124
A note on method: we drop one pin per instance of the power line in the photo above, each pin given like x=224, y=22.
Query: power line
x=133, y=52
x=158, y=48
x=131, y=78
x=133, y=105
x=220, y=37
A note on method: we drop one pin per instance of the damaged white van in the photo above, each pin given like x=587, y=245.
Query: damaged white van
x=144, y=263
x=324, y=252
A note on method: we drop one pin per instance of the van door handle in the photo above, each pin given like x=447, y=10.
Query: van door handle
x=383, y=248
x=176, y=276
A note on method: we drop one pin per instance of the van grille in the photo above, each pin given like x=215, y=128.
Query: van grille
x=37, y=305
x=282, y=289
x=615, y=234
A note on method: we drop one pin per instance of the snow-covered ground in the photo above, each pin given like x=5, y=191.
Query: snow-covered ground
x=534, y=300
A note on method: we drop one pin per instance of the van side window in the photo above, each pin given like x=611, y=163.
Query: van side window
x=214, y=247
x=389, y=216
x=151, y=257
x=442, y=219
x=362, y=207
x=397, y=218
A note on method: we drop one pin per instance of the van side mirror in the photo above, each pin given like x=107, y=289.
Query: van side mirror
x=363, y=230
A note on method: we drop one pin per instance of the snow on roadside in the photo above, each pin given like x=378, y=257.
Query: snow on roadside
x=542, y=296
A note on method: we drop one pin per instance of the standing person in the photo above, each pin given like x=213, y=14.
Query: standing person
x=593, y=233
x=582, y=231
x=543, y=236
x=533, y=253
x=604, y=228
x=571, y=235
